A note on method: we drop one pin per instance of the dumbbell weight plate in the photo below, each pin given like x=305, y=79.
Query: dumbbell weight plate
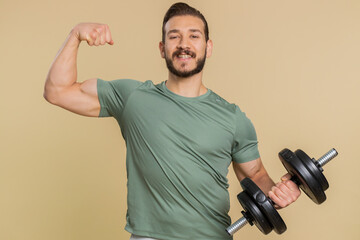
x=307, y=179
x=264, y=204
x=311, y=166
x=253, y=214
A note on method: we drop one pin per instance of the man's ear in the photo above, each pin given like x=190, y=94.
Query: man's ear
x=209, y=48
x=162, y=49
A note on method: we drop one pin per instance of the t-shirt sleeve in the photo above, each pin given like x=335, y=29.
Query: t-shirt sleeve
x=245, y=144
x=114, y=94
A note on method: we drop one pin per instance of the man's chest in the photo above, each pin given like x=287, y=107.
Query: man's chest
x=200, y=126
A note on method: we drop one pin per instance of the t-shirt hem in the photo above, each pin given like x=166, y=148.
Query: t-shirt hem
x=103, y=111
x=166, y=237
x=245, y=158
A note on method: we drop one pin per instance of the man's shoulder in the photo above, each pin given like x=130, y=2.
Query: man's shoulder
x=216, y=98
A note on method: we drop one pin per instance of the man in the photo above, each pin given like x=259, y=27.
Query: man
x=181, y=137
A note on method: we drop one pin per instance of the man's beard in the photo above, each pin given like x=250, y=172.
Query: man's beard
x=184, y=74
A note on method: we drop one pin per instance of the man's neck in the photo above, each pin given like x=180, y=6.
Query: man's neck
x=186, y=87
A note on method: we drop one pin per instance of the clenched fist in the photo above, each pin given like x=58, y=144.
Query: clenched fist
x=94, y=33
x=285, y=192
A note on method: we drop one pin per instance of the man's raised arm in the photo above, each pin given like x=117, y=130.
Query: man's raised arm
x=61, y=86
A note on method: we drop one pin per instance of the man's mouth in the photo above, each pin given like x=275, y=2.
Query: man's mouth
x=184, y=54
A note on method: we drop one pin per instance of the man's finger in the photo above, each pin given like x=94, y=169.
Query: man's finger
x=286, y=177
x=98, y=36
x=275, y=196
x=283, y=187
x=280, y=191
x=291, y=185
x=89, y=39
x=108, y=35
x=102, y=34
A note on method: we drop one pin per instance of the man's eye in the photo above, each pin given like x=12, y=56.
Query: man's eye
x=194, y=36
x=173, y=37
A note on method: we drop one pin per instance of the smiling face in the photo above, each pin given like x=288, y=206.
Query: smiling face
x=185, y=48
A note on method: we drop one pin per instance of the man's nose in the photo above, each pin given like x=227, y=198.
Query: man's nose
x=183, y=43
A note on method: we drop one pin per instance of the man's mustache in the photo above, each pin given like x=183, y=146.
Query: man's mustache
x=186, y=52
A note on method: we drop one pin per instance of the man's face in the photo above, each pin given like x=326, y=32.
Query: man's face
x=185, y=48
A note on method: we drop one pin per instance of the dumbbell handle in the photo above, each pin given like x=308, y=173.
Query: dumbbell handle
x=236, y=226
x=321, y=161
x=327, y=157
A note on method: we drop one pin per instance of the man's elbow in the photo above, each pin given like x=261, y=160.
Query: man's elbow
x=50, y=95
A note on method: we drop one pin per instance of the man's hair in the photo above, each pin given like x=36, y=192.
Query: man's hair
x=181, y=9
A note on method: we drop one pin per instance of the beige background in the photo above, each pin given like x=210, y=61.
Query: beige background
x=292, y=66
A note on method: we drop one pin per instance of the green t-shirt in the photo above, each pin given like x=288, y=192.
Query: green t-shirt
x=178, y=153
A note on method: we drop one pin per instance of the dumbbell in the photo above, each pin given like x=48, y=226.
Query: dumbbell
x=260, y=210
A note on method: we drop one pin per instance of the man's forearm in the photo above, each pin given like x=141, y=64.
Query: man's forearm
x=257, y=172
x=263, y=180
x=63, y=71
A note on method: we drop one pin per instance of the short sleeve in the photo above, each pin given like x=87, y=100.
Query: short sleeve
x=245, y=144
x=114, y=94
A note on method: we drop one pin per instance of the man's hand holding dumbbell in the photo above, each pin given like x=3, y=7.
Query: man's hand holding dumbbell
x=285, y=192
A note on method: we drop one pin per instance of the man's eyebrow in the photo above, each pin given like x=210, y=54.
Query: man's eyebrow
x=173, y=31
x=177, y=30
x=196, y=30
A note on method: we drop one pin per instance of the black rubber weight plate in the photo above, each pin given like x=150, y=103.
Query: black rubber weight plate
x=309, y=184
x=254, y=213
x=314, y=170
x=264, y=204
